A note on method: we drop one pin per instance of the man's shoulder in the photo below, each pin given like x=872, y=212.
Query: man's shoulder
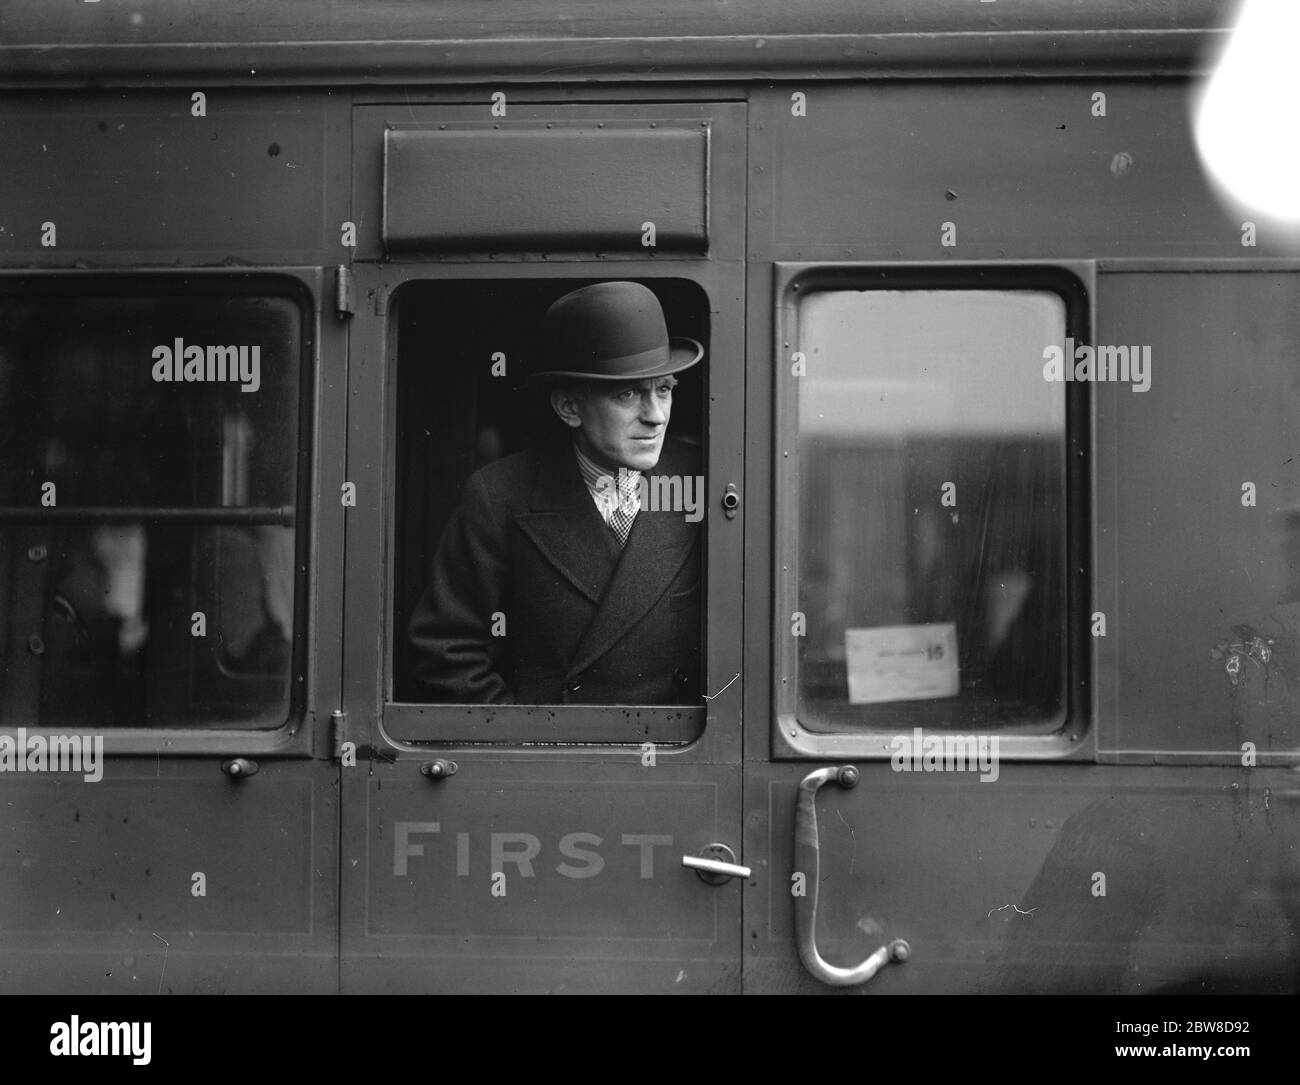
x=515, y=474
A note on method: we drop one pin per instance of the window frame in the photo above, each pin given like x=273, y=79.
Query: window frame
x=1073, y=282
x=302, y=286
x=598, y=729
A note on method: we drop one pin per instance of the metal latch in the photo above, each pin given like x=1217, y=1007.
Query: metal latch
x=731, y=500
x=343, y=291
x=238, y=768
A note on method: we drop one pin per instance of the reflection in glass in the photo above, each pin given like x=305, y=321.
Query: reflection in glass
x=931, y=459
x=146, y=526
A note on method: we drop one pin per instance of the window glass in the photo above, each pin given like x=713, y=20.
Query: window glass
x=931, y=510
x=148, y=478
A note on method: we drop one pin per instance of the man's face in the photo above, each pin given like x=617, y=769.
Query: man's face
x=620, y=425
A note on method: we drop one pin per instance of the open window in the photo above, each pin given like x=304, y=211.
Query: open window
x=149, y=484
x=924, y=506
x=462, y=348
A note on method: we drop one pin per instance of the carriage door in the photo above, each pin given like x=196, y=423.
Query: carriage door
x=522, y=846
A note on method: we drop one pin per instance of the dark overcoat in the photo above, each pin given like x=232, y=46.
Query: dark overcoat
x=584, y=622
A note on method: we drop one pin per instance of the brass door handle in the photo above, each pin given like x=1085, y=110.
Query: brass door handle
x=807, y=857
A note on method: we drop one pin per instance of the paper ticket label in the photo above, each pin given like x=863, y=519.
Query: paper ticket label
x=902, y=663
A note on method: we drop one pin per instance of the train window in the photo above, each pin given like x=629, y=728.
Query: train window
x=509, y=588
x=149, y=465
x=930, y=515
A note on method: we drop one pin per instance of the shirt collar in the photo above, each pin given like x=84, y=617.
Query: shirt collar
x=593, y=474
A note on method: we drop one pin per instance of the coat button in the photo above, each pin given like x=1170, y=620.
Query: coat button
x=681, y=677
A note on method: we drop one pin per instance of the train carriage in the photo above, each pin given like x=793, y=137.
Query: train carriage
x=1000, y=655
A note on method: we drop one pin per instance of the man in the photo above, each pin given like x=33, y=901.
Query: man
x=552, y=584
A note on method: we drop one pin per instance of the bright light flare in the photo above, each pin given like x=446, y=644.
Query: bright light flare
x=1247, y=119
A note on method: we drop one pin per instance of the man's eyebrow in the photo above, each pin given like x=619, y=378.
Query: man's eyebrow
x=636, y=386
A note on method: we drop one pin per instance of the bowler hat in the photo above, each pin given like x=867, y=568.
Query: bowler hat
x=612, y=331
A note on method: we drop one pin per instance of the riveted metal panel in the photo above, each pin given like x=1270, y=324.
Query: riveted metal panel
x=1193, y=562
x=99, y=886
x=994, y=883
x=138, y=178
x=559, y=186
x=1005, y=169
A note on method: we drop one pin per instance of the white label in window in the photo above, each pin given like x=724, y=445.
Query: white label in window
x=902, y=663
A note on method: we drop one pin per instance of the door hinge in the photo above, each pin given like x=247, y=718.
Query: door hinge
x=343, y=291
x=338, y=733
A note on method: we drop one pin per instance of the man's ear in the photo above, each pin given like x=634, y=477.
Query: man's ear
x=565, y=404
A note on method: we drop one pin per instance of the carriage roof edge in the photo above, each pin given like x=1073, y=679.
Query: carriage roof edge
x=159, y=42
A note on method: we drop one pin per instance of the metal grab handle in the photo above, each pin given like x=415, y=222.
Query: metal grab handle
x=807, y=857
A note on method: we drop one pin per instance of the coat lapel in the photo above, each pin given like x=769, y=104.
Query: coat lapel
x=660, y=543
x=564, y=525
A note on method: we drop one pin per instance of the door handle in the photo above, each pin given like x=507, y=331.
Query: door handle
x=807, y=857
x=715, y=864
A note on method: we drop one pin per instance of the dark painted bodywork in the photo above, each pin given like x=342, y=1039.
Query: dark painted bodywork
x=989, y=882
